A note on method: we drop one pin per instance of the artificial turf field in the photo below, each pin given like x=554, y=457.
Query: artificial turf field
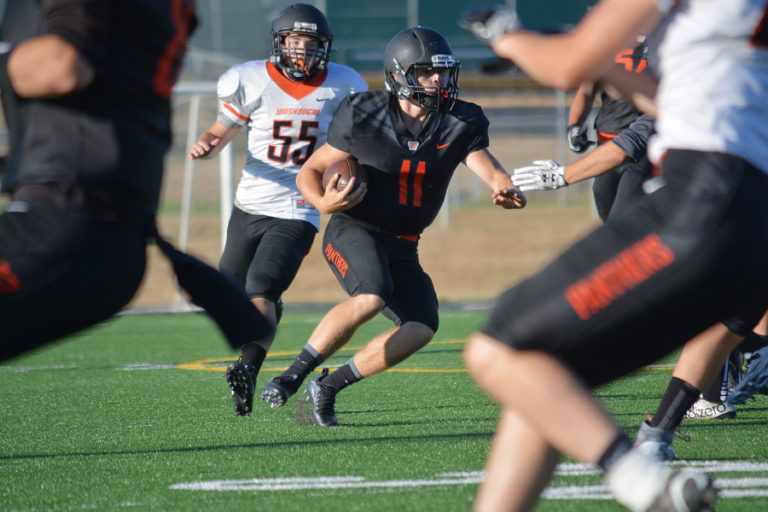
x=136, y=415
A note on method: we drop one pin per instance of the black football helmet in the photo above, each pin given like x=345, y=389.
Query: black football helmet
x=421, y=48
x=301, y=19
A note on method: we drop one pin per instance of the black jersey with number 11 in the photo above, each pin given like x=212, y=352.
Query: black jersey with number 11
x=408, y=174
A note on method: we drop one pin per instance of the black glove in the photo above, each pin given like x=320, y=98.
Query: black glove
x=577, y=139
x=490, y=25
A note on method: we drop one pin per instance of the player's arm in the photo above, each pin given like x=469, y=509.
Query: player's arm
x=550, y=175
x=309, y=181
x=212, y=141
x=66, y=56
x=582, y=103
x=640, y=89
x=47, y=66
x=630, y=144
x=604, y=158
x=577, y=115
x=566, y=60
x=488, y=169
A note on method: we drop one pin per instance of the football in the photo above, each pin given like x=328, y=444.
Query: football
x=347, y=168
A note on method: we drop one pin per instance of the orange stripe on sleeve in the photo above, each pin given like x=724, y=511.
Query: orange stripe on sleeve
x=237, y=114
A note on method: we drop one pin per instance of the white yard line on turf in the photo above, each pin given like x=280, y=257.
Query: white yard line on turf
x=730, y=487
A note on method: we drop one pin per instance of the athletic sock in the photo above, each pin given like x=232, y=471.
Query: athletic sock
x=753, y=342
x=677, y=399
x=620, y=446
x=342, y=377
x=254, y=355
x=712, y=393
x=307, y=360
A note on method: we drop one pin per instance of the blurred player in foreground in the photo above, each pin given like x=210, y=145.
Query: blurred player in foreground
x=695, y=387
x=648, y=280
x=86, y=88
x=700, y=359
x=620, y=168
x=410, y=139
x=286, y=103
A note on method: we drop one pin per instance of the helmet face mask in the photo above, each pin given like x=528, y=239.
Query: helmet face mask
x=421, y=50
x=298, y=63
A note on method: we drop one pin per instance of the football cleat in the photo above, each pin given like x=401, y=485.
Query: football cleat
x=278, y=390
x=705, y=410
x=323, y=400
x=686, y=490
x=754, y=381
x=242, y=381
x=655, y=442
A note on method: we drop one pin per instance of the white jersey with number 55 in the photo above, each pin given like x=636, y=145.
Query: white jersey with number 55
x=286, y=122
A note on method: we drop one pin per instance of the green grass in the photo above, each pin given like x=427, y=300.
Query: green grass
x=113, y=418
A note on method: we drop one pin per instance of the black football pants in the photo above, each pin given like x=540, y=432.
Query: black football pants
x=673, y=263
x=61, y=272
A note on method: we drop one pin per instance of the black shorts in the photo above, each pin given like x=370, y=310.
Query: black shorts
x=61, y=271
x=263, y=253
x=368, y=261
x=674, y=263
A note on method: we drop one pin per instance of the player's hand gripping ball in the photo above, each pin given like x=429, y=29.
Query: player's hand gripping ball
x=346, y=169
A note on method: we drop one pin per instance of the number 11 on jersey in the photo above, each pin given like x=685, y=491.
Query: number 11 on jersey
x=407, y=176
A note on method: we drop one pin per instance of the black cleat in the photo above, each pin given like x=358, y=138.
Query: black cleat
x=686, y=490
x=323, y=400
x=242, y=381
x=278, y=390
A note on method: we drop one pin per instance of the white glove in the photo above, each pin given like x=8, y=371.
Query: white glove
x=542, y=175
x=490, y=25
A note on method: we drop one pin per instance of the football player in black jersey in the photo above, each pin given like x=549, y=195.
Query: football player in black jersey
x=86, y=88
x=409, y=139
x=623, y=183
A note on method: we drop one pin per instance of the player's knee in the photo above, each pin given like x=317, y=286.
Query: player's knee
x=263, y=286
x=368, y=304
x=478, y=356
x=267, y=308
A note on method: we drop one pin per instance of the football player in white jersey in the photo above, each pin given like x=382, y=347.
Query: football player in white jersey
x=679, y=260
x=286, y=103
